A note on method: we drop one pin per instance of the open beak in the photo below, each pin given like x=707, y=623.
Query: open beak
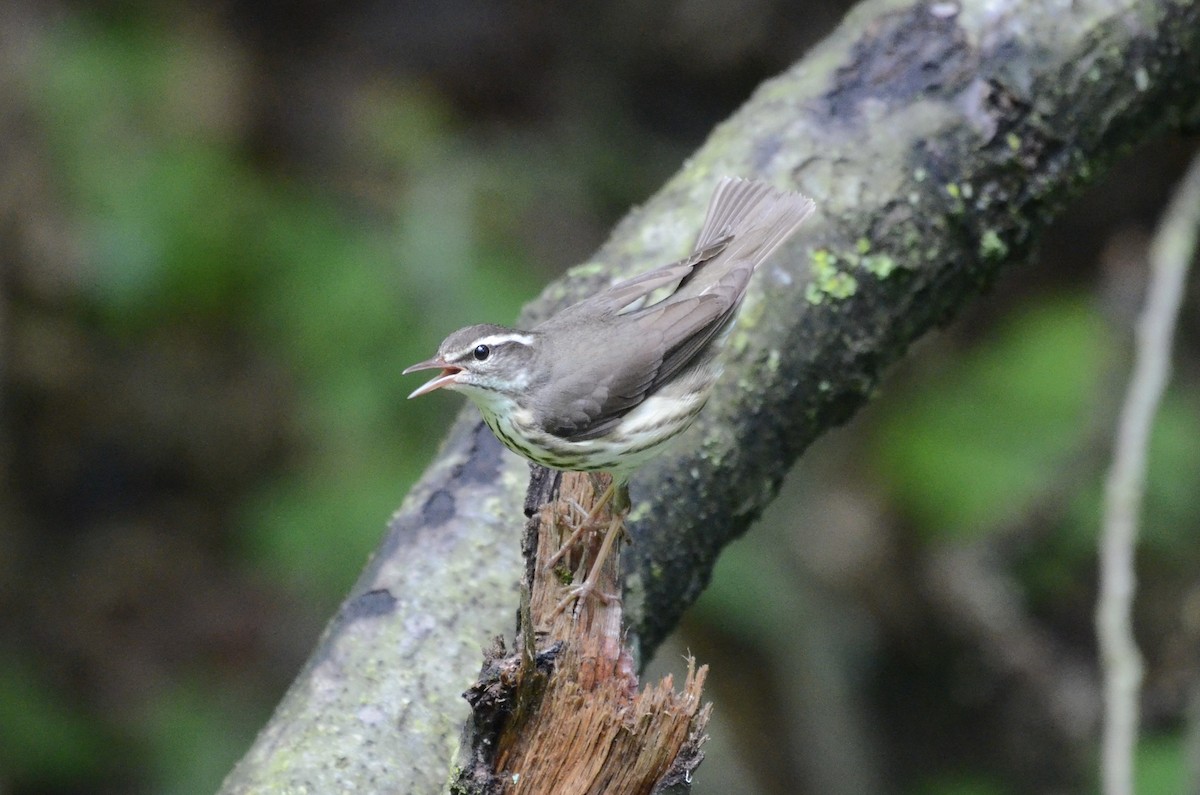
x=449, y=373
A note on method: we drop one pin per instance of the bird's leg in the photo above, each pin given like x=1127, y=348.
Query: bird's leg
x=584, y=525
x=577, y=514
x=616, y=528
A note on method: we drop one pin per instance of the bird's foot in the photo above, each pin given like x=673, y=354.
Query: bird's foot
x=581, y=521
x=581, y=592
x=616, y=529
x=575, y=514
x=577, y=532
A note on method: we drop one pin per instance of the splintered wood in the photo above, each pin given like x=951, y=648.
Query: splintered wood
x=584, y=728
x=604, y=740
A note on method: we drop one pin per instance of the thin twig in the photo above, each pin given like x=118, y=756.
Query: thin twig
x=1171, y=252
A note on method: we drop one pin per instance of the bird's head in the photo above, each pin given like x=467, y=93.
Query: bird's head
x=487, y=363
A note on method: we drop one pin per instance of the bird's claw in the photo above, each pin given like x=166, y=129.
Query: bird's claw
x=580, y=514
x=577, y=527
x=581, y=592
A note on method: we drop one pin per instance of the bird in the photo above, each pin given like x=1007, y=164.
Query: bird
x=606, y=384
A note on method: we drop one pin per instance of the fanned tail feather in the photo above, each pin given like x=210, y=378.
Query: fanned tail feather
x=759, y=217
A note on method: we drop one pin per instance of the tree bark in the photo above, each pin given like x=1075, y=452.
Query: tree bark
x=938, y=140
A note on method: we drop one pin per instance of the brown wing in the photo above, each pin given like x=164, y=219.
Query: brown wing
x=756, y=219
x=598, y=377
x=623, y=295
x=590, y=390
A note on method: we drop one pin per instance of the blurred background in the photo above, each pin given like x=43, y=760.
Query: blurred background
x=224, y=230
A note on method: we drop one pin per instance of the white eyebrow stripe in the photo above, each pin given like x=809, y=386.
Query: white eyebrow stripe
x=501, y=339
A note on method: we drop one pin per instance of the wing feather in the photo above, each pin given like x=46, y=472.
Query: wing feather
x=625, y=295
x=590, y=396
x=586, y=395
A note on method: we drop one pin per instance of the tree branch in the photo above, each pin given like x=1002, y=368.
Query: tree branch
x=1171, y=254
x=938, y=140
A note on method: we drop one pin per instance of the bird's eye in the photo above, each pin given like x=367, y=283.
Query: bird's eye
x=481, y=352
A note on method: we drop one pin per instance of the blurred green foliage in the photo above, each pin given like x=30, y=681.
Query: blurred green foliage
x=184, y=230
x=1161, y=764
x=43, y=737
x=181, y=230
x=973, y=446
x=965, y=784
x=192, y=734
x=979, y=439
x=992, y=433
x=752, y=592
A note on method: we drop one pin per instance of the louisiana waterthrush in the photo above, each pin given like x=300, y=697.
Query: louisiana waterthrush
x=604, y=384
